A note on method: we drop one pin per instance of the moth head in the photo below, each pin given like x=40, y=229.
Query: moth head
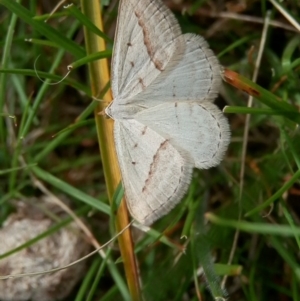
x=107, y=110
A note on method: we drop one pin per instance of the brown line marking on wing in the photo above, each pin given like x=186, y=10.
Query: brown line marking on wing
x=153, y=165
x=167, y=202
x=147, y=42
x=144, y=130
x=142, y=83
x=176, y=105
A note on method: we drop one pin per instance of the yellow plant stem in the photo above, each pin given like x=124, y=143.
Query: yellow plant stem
x=99, y=77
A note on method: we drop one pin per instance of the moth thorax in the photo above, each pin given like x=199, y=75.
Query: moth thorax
x=121, y=110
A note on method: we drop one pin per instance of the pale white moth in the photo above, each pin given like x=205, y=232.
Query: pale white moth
x=165, y=123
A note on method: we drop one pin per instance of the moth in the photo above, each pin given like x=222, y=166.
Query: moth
x=165, y=123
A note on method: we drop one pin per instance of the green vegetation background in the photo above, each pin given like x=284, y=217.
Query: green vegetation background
x=251, y=201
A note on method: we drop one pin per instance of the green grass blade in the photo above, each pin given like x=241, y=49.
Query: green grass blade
x=259, y=228
x=74, y=11
x=50, y=33
x=69, y=190
x=276, y=195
